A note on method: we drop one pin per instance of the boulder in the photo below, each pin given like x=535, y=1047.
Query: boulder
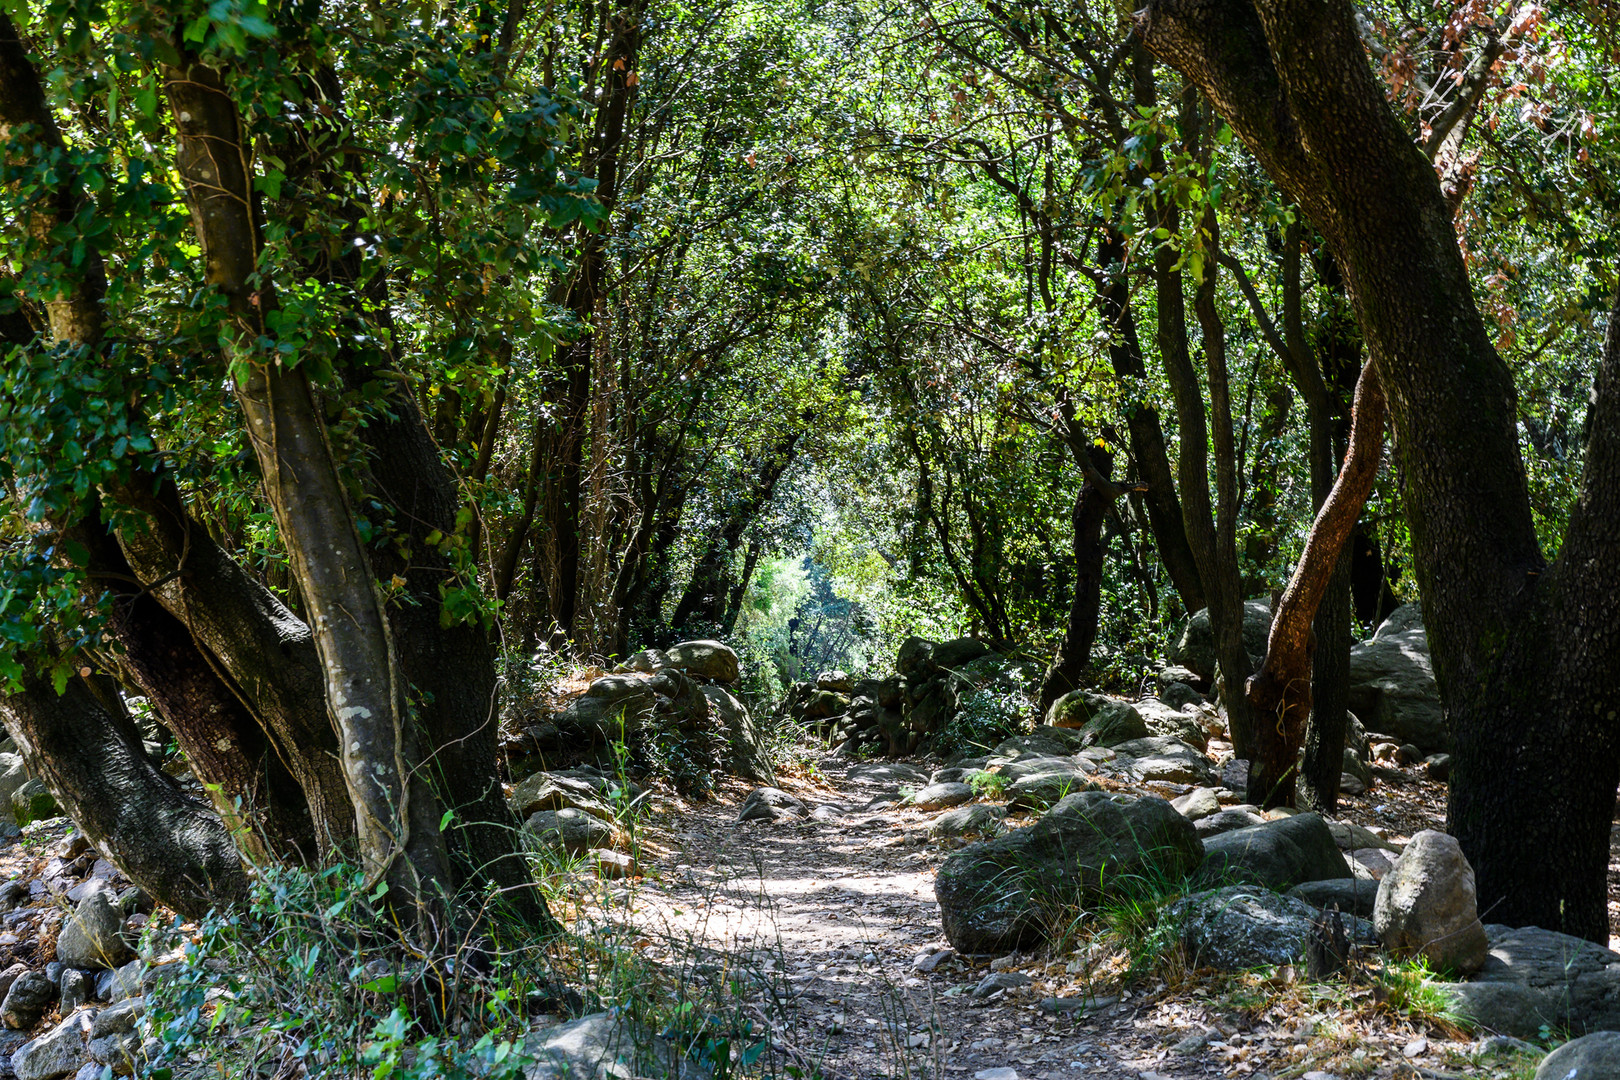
x=118, y=1019
x=916, y=656
x=1039, y=764
x=647, y=662
x=32, y=801
x=976, y=820
x=1278, y=854
x=604, y=1046
x=1019, y=888
x=59, y=1052
x=546, y=791
x=706, y=660
x=1404, y=618
x=614, y=706
x=1178, y=695
x=91, y=937
x=838, y=681
x=958, y=651
x=1158, y=758
x=1393, y=691
x=1590, y=1057
x=25, y=1002
x=1229, y=820
x=941, y=796
x=1163, y=719
x=1044, y=739
x=1353, y=896
x=1533, y=978
x=1197, y=804
x=73, y=988
x=12, y=776
x=1037, y=791
x=888, y=772
x=575, y=831
x=1426, y=906
x=1101, y=720
x=770, y=804
x=1195, y=648
x=1246, y=926
x=746, y=755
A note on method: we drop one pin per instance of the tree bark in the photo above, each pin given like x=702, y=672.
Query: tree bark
x=396, y=814
x=1524, y=654
x=92, y=760
x=1086, y=519
x=1280, y=692
x=1164, y=512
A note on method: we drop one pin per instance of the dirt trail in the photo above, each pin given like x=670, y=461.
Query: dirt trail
x=834, y=911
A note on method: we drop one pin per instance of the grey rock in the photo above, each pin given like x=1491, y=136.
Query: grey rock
x=1229, y=820
x=1278, y=854
x=959, y=651
x=706, y=660
x=927, y=962
x=1404, y=618
x=574, y=831
x=90, y=1070
x=58, y=1052
x=73, y=988
x=1158, y=758
x=1245, y=926
x=1533, y=978
x=613, y=706
x=888, y=772
x=1039, y=764
x=11, y=975
x=545, y=791
x=646, y=662
x=121, y=1053
x=1590, y=1057
x=1166, y=720
x=1197, y=804
x=1003, y=893
x=949, y=775
x=1195, y=648
x=1494, y=1045
x=976, y=820
x=1427, y=906
x=13, y=894
x=1001, y=980
x=604, y=1046
x=1043, y=740
x=32, y=801
x=119, y=1018
x=1101, y=720
x=1437, y=767
x=916, y=656
x=745, y=751
x=1044, y=789
x=1353, y=896
x=26, y=1001
x=1176, y=693
x=770, y=804
x=12, y=776
x=1393, y=690
x=126, y=982
x=942, y=796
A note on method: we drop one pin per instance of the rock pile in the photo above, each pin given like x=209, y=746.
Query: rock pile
x=901, y=714
x=683, y=689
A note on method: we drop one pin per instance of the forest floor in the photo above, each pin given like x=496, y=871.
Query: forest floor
x=824, y=920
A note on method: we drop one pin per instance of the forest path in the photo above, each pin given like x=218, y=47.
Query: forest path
x=830, y=914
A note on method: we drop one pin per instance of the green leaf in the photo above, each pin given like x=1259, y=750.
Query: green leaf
x=387, y=984
x=146, y=100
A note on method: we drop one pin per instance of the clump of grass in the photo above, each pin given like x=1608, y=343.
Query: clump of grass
x=1407, y=988
x=988, y=785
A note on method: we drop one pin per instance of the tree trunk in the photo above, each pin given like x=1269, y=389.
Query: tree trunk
x=1524, y=654
x=1164, y=512
x=92, y=760
x=1080, y=634
x=1330, y=694
x=396, y=814
x=1280, y=692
